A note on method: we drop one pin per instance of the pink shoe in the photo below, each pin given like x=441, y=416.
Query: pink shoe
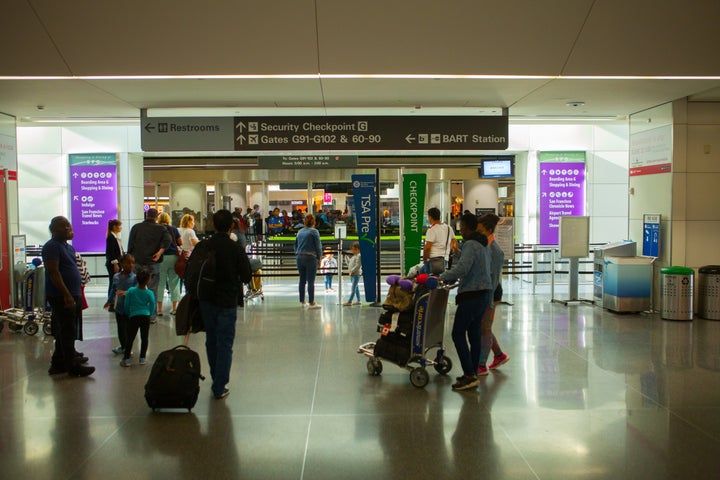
x=482, y=371
x=499, y=360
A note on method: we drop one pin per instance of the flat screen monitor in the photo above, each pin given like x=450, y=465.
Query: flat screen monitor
x=498, y=167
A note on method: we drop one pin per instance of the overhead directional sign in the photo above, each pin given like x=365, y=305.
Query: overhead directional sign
x=210, y=134
x=353, y=133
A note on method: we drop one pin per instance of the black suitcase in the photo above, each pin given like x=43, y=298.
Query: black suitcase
x=393, y=347
x=174, y=379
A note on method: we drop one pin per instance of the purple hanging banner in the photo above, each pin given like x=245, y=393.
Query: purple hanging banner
x=93, y=199
x=562, y=191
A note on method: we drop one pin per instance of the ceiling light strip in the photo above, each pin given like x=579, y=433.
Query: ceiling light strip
x=389, y=76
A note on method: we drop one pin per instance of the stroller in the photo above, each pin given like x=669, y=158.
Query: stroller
x=255, y=289
x=410, y=333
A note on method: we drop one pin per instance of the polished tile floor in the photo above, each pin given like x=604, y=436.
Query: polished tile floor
x=587, y=394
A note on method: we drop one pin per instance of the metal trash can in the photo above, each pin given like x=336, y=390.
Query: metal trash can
x=677, y=293
x=709, y=292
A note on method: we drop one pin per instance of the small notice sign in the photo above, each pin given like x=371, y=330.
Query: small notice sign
x=307, y=161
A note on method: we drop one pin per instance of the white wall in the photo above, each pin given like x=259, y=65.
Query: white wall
x=606, y=148
x=43, y=176
x=480, y=194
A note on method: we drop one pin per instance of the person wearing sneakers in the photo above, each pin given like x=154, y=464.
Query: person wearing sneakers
x=122, y=281
x=63, y=292
x=355, y=271
x=474, y=295
x=328, y=267
x=139, y=305
x=486, y=226
x=308, y=251
x=218, y=306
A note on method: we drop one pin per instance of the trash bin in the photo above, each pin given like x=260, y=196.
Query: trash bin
x=709, y=292
x=677, y=293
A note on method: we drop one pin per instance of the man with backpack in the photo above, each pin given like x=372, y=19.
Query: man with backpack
x=216, y=275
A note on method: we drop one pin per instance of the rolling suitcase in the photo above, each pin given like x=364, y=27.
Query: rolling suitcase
x=174, y=379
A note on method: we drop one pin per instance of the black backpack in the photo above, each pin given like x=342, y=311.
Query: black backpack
x=174, y=380
x=201, y=271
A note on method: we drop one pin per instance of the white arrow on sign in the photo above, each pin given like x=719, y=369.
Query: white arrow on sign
x=409, y=138
x=75, y=197
x=241, y=139
x=241, y=126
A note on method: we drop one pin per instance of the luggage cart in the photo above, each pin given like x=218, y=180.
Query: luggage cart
x=427, y=334
x=34, y=313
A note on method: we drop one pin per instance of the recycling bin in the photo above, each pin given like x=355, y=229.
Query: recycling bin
x=677, y=293
x=709, y=292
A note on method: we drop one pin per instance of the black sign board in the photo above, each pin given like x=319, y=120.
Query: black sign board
x=336, y=134
x=371, y=133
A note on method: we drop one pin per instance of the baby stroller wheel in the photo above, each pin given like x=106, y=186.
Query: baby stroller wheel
x=374, y=367
x=47, y=327
x=443, y=366
x=419, y=377
x=30, y=327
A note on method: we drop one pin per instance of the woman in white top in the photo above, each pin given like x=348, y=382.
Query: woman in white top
x=187, y=232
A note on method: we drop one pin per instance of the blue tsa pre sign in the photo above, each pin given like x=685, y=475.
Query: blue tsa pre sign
x=651, y=235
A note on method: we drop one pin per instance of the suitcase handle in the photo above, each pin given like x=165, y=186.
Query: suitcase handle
x=169, y=368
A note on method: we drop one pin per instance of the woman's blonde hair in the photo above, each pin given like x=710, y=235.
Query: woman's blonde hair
x=185, y=220
x=164, y=218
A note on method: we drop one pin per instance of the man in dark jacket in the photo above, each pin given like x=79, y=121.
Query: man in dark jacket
x=147, y=243
x=219, y=310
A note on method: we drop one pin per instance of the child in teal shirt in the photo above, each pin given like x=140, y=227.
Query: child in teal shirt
x=139, y=305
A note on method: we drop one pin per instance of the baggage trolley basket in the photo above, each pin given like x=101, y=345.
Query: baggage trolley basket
x=427, y=334
x=34, y=313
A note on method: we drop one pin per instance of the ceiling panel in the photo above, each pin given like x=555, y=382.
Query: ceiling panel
x=539, y=40
x=460, y=37
x=646, y=37
x=26, y=47
x=182, y=37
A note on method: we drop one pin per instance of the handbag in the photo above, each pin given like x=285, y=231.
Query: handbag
x=181, y=263
x=437, y=265
x=182, y=256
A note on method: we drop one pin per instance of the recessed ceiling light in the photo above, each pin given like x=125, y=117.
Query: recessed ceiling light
x=575, y=104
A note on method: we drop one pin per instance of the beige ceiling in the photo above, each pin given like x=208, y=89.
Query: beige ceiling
x=548, y=44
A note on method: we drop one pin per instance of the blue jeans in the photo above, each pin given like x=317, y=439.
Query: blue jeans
x=219, y=337
x=354, y=289
x=467, y=327
x=307, y=266
x=328, y=281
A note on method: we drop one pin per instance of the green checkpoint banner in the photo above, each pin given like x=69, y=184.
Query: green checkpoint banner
x=414, y=188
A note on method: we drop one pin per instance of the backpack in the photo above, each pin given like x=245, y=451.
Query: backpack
x=201, y=270
x=174, y=380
